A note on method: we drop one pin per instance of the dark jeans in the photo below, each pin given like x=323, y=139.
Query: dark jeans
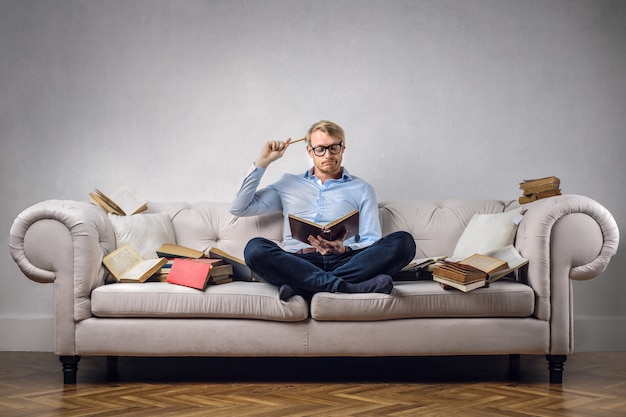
x=313, y=272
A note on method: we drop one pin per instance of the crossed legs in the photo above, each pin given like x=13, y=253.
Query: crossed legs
x=364, y=270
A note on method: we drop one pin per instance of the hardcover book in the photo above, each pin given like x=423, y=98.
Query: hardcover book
x=170, y=250
x=127, y=265
x=529, y=198
x=540, y=184
x=458, y=272
x=422, y=263
x=241, y=271
x=346, y=226
x=479, y=270
x=220, y=272
x=466, y=287
x=488, y=264
x=189, y=273
x=123, y=201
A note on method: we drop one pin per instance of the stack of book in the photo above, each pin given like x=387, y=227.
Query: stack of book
x=191, y=268
x=478, y=270
x=241, y=271
x=539, y=188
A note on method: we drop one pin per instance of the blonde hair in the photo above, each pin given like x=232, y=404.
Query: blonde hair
x=328, y=127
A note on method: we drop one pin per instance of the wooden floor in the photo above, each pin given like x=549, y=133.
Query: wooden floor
x=594, y=385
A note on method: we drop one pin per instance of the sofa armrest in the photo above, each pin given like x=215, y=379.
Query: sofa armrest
x=63, y=241
x=564, y=237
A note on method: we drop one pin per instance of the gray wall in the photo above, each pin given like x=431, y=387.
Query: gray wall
x=439, y=99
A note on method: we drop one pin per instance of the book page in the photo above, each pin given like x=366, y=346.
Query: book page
x=138, y=270
x=485, y=263
x=121, y=260
x=108, y=204
x=508, y=254
x=127, y=200
x=513, y=258
x=417, y=264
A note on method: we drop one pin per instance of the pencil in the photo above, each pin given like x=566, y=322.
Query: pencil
x=296, y=141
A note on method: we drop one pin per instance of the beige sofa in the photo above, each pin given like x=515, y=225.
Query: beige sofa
x=63, y=242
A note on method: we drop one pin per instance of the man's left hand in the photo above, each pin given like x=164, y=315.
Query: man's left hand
x=327, y=247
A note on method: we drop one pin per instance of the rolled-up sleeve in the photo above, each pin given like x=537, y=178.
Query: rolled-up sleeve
x=369, y=222
x=250, y=201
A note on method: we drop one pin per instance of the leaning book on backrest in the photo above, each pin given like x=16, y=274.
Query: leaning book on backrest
x=241, y=271
x=346, y=226
x=99, y=198
x=123, y=201
x=127, y=265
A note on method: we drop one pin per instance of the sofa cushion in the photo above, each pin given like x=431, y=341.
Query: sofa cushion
x=144, y=232
x=503, y=298
x=486, y=232
x=436, y=225
x=249, y=300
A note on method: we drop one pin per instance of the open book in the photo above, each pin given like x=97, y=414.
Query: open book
x=479, y=270
x=513, y=259
x=346, y=226
x=422, y=263
x=127, y=265
x=123, y=201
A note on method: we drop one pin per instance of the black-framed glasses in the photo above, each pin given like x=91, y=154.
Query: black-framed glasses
x=334, y=149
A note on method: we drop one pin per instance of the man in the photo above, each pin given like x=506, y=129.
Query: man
x=325, y=192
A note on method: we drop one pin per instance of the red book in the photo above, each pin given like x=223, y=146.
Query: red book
x=189, y=273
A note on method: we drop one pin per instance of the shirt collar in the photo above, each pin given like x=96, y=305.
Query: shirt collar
x=345, y=175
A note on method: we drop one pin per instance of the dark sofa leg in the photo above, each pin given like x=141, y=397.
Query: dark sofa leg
x=112, y=370
x=555, y=365
x=514, y=366
x=70, y=368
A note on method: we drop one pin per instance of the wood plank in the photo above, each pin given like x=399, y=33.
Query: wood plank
x=594, y=385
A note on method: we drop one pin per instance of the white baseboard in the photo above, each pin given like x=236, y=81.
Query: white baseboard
x=36, y=334
x=26, y=334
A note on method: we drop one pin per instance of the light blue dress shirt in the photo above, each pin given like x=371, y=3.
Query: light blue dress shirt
x=305, y=196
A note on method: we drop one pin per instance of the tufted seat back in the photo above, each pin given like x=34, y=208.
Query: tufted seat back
x=435, y=225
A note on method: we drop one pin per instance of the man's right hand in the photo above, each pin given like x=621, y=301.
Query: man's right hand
x=272, y=150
